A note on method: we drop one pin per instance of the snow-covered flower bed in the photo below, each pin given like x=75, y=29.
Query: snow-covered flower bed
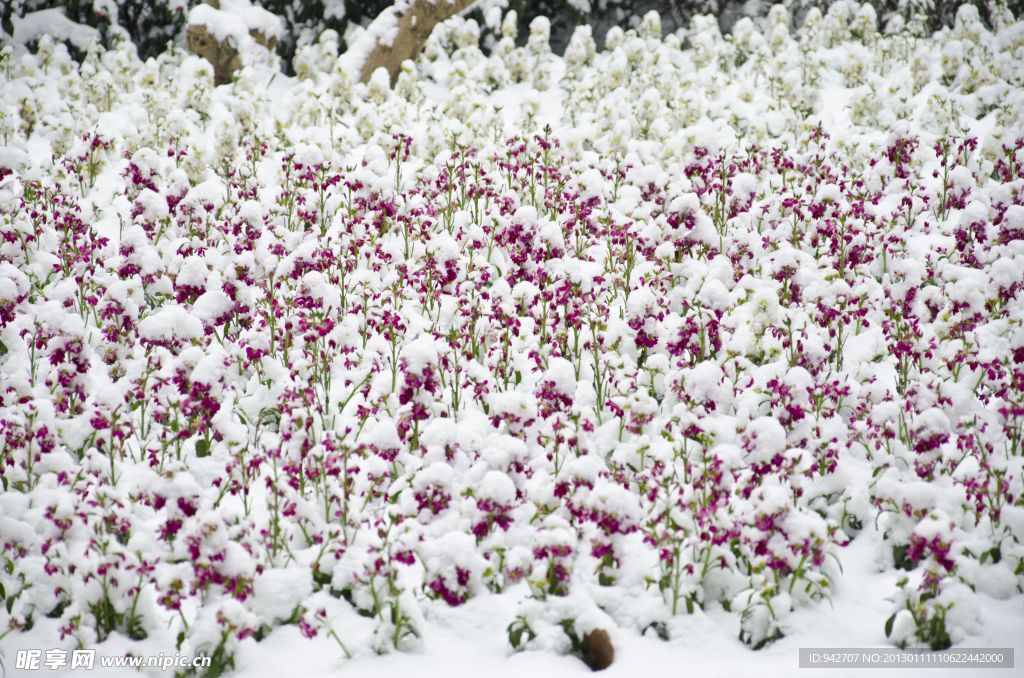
x=604, y=341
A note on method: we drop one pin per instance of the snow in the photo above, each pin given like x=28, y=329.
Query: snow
x=303, y=393
x=170, y=322
x=497, y=487
x=154, y=206
x=768, y=437
x=54, y=23
x=221, y=24
x=383, y=29
x=420, y=354
x=235, y=19
x=277, y=592
x=211, y=306
x=561, y=375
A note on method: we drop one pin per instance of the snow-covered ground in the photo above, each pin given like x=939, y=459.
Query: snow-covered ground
x=712, y=343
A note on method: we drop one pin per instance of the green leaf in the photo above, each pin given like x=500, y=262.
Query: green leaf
x=263, y=631
x=135, y=629
x=900, y=559
x=888, y=625
x=516, y=630
x=202, y=449
x=58, y=610
x=407, y=629
x=321, y=578
x=659, y=628
x=3, y=348
x=775, y=635
x=568, y=625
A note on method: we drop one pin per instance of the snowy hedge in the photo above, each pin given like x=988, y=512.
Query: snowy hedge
x=150, y=25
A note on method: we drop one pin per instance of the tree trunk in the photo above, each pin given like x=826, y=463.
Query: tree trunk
x=414, y=27
x=223, y=56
